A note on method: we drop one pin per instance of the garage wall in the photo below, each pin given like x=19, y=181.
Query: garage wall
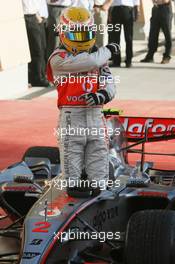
x=14, y=49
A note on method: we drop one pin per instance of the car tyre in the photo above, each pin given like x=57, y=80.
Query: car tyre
x=150, y=238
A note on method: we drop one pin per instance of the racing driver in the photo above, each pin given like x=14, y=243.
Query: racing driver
x=76, y=69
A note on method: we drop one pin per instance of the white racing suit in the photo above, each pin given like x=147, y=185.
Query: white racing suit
x=83, y=140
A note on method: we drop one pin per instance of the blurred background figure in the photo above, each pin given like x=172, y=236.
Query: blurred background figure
x=88, y=4
x=43, y=12
x=55, y=8
x=123, y=12
x=101, y=8
x=33, y=20
x=161, y=19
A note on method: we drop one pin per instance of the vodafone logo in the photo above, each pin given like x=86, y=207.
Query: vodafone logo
x=87, y=86
x=155, y=127
x=75, y=98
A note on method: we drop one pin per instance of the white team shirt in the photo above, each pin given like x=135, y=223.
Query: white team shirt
x=60, y=2
x=126, y=3
x=43, y=10
x=99, y=2
x=30, y=7
x=89, y=4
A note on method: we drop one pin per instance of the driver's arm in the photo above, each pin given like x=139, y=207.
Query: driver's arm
x=82, y=62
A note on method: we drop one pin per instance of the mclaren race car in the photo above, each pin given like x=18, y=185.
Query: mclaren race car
x=130, y=222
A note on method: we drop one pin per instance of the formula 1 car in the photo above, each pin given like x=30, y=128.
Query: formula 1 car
x=130, y=222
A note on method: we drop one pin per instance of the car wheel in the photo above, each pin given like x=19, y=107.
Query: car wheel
x=52, y=153
x=150, y=238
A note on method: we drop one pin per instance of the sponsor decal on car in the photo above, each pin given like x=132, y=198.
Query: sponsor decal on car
x=153, y=194
x=36, y=242
x=19, y=188
x=30, y=255
x=136, y=127
x=41, y=227
x=50, y=212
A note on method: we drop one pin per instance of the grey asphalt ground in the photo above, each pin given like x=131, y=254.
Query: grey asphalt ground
x=144, y=81
x=147, y=81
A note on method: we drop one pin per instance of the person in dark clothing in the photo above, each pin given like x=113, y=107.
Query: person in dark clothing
x=33, y=22
x=161, y=19
x=122, y=13
x=43, y=12
x=55, y=7
x=43, y=48
x=33, y=33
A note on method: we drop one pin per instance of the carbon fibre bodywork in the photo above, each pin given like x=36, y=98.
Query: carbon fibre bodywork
x=48, y=215
x=108, y=212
